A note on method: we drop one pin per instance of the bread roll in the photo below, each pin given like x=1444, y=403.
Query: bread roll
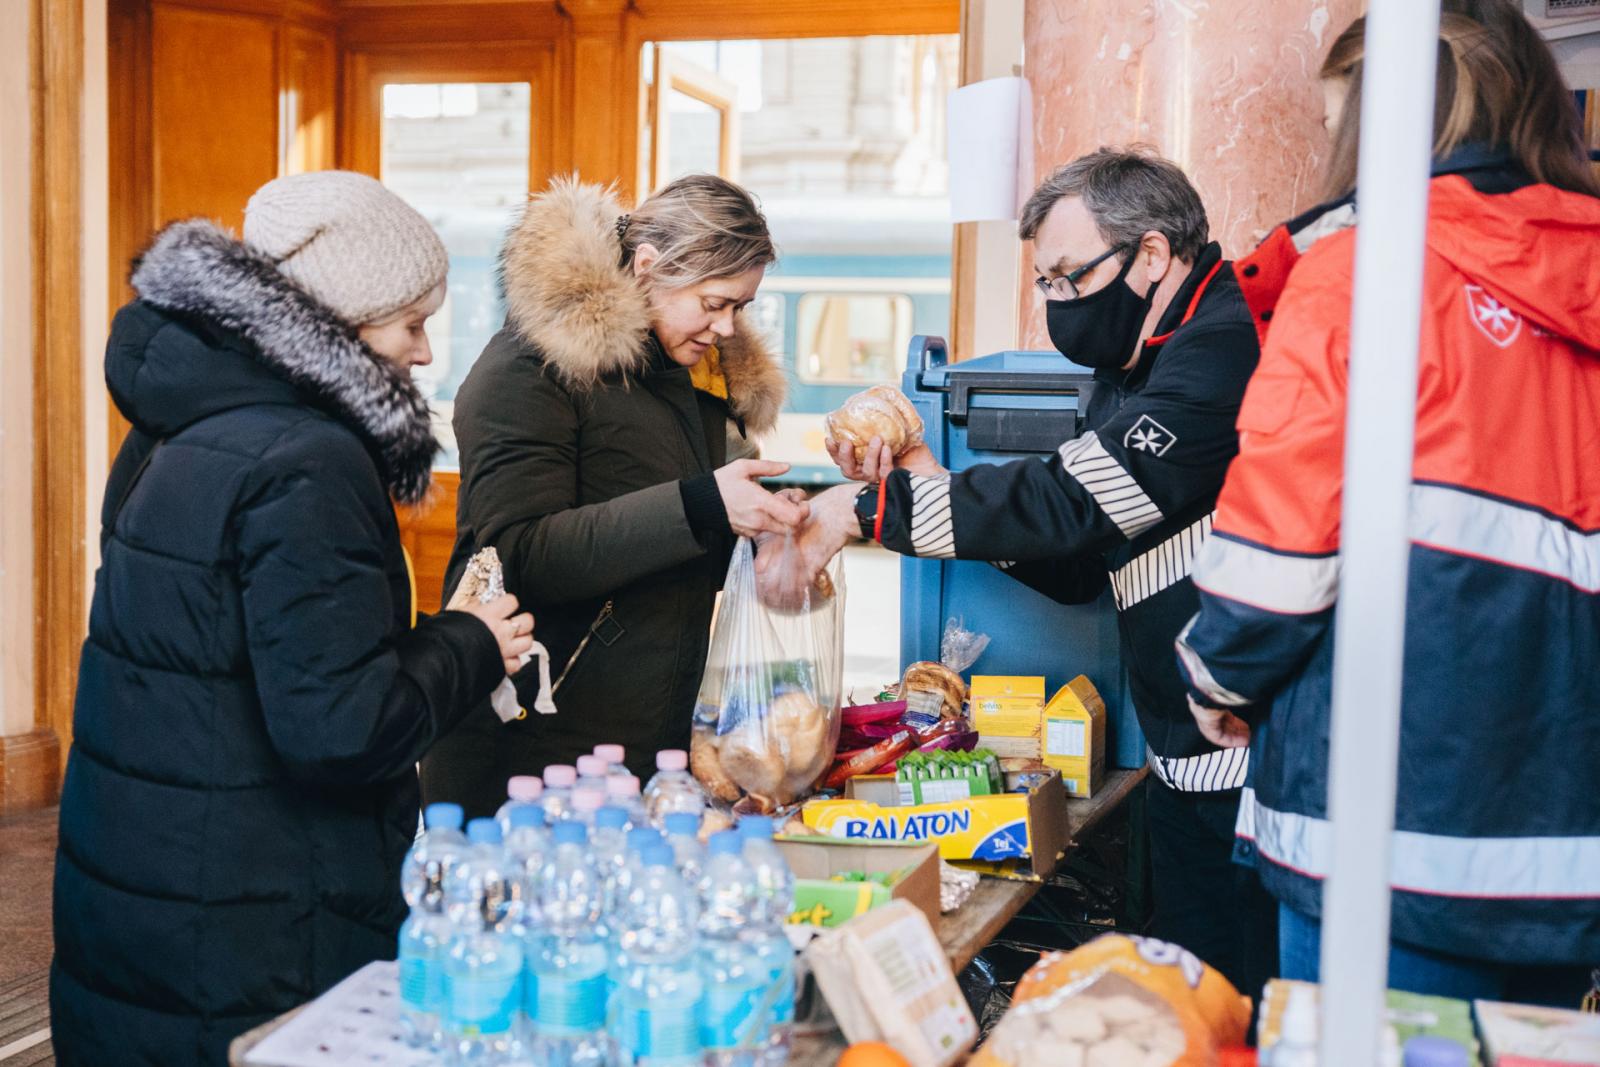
x=706, y=764
x=930, y=677
x=749, y=761
x=882, y=412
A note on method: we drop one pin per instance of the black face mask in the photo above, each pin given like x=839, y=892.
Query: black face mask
x=1099, y=330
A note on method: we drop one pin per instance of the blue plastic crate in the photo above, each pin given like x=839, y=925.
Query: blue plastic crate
x=993, y=409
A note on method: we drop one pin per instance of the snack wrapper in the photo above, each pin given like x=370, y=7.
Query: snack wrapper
x=1118, y=1001
x=484, y=581
x=767, y=717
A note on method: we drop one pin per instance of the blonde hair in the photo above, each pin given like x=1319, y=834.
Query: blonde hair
x=703, y=227
x=1497, y=85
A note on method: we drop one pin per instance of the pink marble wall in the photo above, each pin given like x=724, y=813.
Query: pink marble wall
x=1226, y=88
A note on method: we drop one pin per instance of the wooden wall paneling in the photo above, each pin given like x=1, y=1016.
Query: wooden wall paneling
x=397, y=25
x=56, y=47
x=601, y=67
x=699, y=20
x=131, y=166
x=214, y=111
x=429, y=534
x=309, y=92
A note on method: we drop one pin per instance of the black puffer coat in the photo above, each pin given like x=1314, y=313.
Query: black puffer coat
x=586, y=461
x=252, y=697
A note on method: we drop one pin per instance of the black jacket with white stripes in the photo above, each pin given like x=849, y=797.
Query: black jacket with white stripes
x=1128, y=503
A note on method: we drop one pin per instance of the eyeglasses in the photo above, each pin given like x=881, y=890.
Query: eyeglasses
x=1053, y=288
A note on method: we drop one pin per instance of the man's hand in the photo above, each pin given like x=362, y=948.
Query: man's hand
x=879, y=461
x=751, y=509
x=787, y=565
x=1222, y=728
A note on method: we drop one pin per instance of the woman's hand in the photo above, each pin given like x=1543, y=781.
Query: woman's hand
x=513, y=632
x=1222, y=728
x=751, y=509
x=787, y=567
x=879, y=461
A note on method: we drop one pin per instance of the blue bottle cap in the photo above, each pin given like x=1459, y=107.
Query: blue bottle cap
x=443, y=816
x=641, y=837
x=657, y=856
x=725, y=843
x=483, y=832
x=610, y=818
x=682, y=824
x=571, y=833
x=755, y=826
x=526, y=815
x=1430, y=1051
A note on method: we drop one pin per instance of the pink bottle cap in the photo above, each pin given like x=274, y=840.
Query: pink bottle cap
x=673, y=759
x=622, y=786
x=560, y=776
x=524, y=787
x=588, y=800
x=592, y=767
x=612, y=754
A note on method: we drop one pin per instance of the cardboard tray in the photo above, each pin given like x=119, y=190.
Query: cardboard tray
x=820, y=858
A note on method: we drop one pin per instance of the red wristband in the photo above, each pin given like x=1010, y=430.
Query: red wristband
x=883, y=498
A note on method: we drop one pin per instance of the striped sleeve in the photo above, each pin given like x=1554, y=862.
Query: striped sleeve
x=1268, y=576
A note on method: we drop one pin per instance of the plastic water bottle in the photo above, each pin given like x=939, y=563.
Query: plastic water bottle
x=527, y=848
x=623, y=791
x=427, y=864
x=483, y=968
x=608, y=842
x=564, y=984
x=585, y=802
x=673, y=788
x=616, y=758
x=629, y=871
x=774, y=886
x=733, y=1019
x=426, y=934
x=593, y=771
x=559, y=778
x=688, y=855
x=660, y=998
x=523, y=790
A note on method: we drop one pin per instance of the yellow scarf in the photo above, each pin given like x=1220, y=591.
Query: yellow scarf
x=707, y=375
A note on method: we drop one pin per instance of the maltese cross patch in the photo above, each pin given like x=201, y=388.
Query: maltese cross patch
x=1148, y=435
x=1496, y=321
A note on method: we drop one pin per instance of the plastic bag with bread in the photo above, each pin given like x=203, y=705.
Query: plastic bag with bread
x=767, y=716
x=882, y=412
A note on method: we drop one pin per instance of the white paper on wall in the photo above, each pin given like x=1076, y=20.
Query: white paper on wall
x=991, y=149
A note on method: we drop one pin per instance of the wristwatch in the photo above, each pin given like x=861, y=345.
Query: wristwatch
x=867, y=509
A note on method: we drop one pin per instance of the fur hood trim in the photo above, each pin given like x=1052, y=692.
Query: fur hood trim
x=568, y=296
x=197, y=268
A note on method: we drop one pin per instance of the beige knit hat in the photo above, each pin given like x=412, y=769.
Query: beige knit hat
x=348, y=241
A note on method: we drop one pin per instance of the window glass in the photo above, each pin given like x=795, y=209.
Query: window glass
x=458, y=153
x=850, y=338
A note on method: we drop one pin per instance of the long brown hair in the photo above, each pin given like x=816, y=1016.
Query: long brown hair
x=1497, y=85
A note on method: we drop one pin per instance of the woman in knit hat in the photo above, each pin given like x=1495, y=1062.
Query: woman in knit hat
x=256, y=687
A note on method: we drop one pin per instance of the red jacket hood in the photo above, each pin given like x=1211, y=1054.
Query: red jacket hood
x=1535, y=249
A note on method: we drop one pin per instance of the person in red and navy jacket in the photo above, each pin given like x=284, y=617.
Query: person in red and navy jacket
x=1136, y=290
x=1496, y=852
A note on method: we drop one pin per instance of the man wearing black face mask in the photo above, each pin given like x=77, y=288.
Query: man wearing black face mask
x=1136, y=290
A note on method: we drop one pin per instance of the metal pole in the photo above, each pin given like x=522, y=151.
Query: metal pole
x=1396, y=140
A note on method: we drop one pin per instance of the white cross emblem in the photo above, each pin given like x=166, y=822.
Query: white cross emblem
x=1148, y=435
x=1493, y=319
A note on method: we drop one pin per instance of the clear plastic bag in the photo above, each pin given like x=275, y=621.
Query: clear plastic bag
x=767, y=718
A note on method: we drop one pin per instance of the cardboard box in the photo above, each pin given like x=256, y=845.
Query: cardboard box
x=1517, y=1034
x=1008, y=712
x=815, y=860
x=1030, y=826
x=1074, y=736
x=1411, y=1015
x=887, y=979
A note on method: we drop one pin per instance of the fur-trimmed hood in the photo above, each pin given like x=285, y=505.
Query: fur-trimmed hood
x=568, y=297
x=197, y=269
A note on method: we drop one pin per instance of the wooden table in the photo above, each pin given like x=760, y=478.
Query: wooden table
x=963, y=933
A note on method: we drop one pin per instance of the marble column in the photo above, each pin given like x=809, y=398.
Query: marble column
x=1226, y=88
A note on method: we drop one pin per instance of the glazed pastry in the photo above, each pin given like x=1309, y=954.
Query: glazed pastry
x=930, y=677
x=882, y=412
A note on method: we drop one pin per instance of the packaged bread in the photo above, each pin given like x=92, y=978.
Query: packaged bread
x=882, y=412
x=1119, y=1001
x=933, y=689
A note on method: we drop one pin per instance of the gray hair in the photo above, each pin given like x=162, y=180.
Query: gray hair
x=704, y=227
x=1128, y=192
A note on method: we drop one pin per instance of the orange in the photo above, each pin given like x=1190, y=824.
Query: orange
x=872, y=1054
